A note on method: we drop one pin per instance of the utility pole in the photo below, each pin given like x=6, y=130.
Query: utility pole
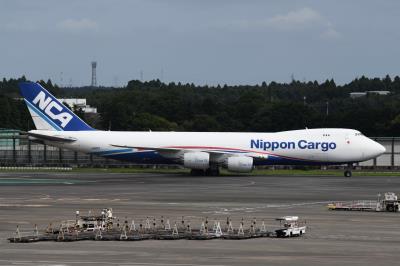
x=327, y=108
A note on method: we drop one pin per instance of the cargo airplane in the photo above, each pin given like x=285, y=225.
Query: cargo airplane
x=202, y=152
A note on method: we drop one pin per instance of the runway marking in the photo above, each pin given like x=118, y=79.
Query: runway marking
x=222, y=210
x=62, y=263
x=72, y=198
x=30, y=181
x=18, y=222
x=25, y=205
x=356, y=237
x=45, y=197
x=92, y=199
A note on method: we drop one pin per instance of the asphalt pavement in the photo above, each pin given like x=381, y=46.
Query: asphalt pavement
x=333, y=237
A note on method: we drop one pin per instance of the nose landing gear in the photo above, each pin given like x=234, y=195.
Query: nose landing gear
x=347, y=172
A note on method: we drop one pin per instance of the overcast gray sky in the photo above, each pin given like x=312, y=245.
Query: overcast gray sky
x=205, y=42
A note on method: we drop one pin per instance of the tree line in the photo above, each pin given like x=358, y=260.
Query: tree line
x=154, y=105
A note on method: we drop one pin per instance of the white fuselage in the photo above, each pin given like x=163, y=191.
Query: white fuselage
x=307, y=146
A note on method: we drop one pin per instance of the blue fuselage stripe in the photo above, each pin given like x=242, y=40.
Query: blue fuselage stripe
x=111, y=152
x=153, y=157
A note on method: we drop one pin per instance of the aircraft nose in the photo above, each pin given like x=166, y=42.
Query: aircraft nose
x=380, y=148
x=373, y=149
x=377, y=149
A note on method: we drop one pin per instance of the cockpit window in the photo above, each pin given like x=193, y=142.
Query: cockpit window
x=359, y=134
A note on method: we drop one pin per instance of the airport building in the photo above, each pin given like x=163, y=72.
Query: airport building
x=365, y=93
x=79, y=103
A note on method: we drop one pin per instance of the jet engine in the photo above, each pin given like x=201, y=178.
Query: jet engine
x=196, y=160
x=241, y=164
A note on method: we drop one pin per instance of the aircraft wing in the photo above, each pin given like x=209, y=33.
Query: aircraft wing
x=148, y=148
x=174, y=149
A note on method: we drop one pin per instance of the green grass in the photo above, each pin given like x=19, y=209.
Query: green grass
x=256, y=172
x=317, y=172
x=132, y=170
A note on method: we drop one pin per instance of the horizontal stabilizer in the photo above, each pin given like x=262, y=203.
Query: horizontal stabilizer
x=57, y=138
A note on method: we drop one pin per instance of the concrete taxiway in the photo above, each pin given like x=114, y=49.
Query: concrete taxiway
x=347, y=238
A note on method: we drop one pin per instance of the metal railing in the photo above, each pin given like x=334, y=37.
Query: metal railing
x=19, y=150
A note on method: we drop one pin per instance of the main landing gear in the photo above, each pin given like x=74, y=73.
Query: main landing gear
x=347, y=172
x=196, y=172
x=212, y=171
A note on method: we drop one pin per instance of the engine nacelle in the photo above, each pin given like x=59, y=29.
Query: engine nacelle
x=196, y=160
x=241, y=164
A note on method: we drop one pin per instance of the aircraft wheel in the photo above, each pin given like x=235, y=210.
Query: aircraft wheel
x=347, y=173
x=390, y=209
x=196, y=172
x=213, y=171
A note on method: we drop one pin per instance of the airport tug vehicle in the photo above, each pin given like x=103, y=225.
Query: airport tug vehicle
x=290, y=227
x=95, y=222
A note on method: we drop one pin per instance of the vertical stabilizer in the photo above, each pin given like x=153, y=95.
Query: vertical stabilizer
x=47, y=112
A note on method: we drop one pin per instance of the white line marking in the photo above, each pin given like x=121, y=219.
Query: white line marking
x=24, y=205
x=49, y=262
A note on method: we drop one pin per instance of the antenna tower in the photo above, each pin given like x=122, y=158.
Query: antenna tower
x=94, y=79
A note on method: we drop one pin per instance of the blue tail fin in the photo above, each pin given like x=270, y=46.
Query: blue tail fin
x=47, y=112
